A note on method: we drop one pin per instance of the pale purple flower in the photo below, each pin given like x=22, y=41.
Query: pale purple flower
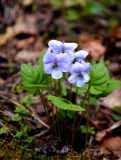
x=79, y=56
x=79, y=74
x=61, y=47
x=55, y=64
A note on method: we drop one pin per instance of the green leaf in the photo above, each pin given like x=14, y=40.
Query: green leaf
x=29, y=139
x=72, y=15
x=116, y=117
x=93, y=101
x=63, y=90
x=99, y=79
x=27, y=100
x=117, y=109
x=34, y=78
x=23, y=131
x=70, y=114
x=93, y=7
x=112, y=85
x=99, y=74
x=16, y=118
x=87, y=129
x=82, y=89
x=40, y=58
x=3, y=130
x=61, y=104
x=100, y=82
x=62, y=114
x=22, y=110
x=57, y=3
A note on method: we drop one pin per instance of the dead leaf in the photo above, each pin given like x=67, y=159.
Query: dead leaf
x=118, y=44
x=116, y=33
x=2, y=81
x=27, y=2
x=26, y=56
x=114, y=99
x=23, y=44
x=100, y=135
x=25, y=24
x=112, y=144
x=92, y=45
x=7, y=36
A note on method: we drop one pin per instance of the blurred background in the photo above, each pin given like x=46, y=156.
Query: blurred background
x=26, y=26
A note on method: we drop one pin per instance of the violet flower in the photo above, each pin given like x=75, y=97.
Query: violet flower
x=79, y=74
x=55, y=64
x=61, y=47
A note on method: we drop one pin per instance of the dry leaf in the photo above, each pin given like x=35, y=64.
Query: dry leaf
x=7, y=36
x=27, y=2
x=112, y=144
x=25, y=25
x=23, y=44
x=114, y=99
x=26, y=56
x=92, y=45
x=2, y=81
x=117, y=32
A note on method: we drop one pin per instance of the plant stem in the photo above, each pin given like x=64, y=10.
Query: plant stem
x=55, y=88
x=87, y=123
x=51, y=85
x=76, y=94
x=59, y=87
x=76, y=129
x=84, y=98
x=44, y=104
x=70, y=91
x=73, y=128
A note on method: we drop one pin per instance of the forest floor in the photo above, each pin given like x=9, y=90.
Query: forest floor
x=24, y=33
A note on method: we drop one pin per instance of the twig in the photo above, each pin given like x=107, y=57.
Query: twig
x=33, y=114
x=7, y=129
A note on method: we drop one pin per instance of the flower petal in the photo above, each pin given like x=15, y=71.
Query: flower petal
x=86, y=66
x=49, y=57
x=80, y=82
x=85, y=76
x=77, y=67
x=48, y=68
x=64, y=67
x=56, y=74
x=55, y=46
x=63, y=57
x=70, y=46
x=72, y=78
x=70, y=53
x=81, y=55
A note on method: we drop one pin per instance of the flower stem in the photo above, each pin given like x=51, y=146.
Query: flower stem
x=70, y=91
x=75, y=128
x=84, y=98
x=44, y=104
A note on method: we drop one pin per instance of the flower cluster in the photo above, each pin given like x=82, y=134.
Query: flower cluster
x=61, y=57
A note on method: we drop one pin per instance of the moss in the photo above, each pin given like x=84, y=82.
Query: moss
x=79, y=156
x=12, y=151
x=117, y=109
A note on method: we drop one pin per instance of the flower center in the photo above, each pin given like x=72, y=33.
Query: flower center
x=51, y=51
x=55, y=65
x=79, y=75
x=75, y=60
x=63, y=51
